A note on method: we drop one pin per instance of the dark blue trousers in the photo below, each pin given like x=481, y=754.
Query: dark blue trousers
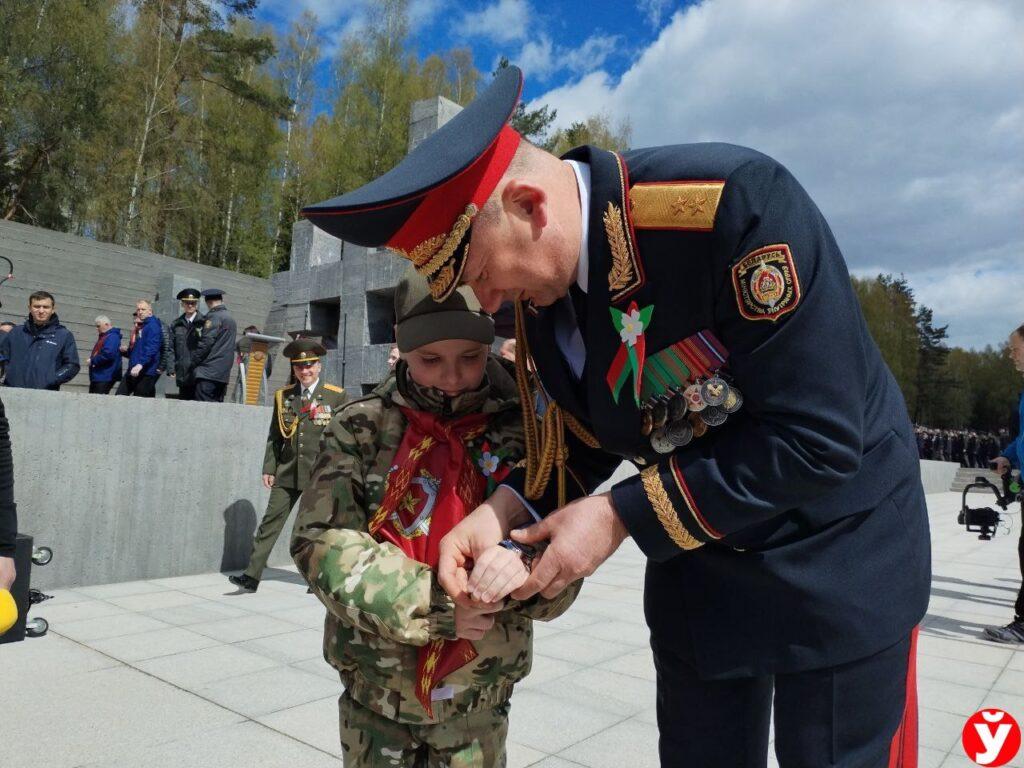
x=856, y=715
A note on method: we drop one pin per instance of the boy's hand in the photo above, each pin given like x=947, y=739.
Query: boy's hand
x=474, y=623
x=496, y=573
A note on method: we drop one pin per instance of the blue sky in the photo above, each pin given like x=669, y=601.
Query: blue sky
x=904, y=120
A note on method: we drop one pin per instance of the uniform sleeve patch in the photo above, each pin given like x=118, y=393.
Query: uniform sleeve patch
x=766, y=283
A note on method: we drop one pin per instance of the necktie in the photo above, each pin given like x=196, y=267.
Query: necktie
x=579, y=305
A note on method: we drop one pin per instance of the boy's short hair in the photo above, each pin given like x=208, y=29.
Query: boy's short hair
x=40, y=295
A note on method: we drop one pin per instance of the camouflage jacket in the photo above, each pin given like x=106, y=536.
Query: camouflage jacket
x=382, y=605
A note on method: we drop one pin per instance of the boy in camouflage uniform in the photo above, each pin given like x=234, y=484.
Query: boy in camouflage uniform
x=427, y=682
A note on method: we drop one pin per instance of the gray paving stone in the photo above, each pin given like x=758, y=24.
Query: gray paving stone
x=202, y=612
x=318, y=667
x=939, y=730
x=102, y=627
x=930, y=758
x=154, y=601
x=547, y=668
x=580, y=648
x=1011, y=681
x=962, y=672
x=242, y=745
x=637, y=663
x=550, y=725
x=103, y=715
x=967, y=649
x=519, y=756
x=52, y=655
x=197, y=668
x=950, y=697
x=631, y=743
x=269, y=690
x=309, y=616
x=151, y=645
x=624, y=632
x=612, y=692
x=243, y=628
x=121, y=589
x=65, y=613
x=314, y=723
x=289, y=647
x=189, y=582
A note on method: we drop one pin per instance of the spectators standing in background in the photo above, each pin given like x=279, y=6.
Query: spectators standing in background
x=144, y=354
x=1013, y=457
x=41, y=354
x=105, y=359
x=215, y=354
x=185, y=332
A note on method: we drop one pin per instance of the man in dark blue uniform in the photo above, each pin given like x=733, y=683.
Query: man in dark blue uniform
x=686, y=308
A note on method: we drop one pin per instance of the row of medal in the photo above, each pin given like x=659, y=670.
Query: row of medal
x=673, y=418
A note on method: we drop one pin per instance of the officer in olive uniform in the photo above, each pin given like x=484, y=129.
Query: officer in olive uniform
x=301, y=411
x=687, y=309
x=214, y=355
x=185, y=335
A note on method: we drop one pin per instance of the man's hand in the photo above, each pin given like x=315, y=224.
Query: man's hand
x=474, y=623
x=7, y=572
x=483, y=528
x=583, y=535
x=1001, y=465
x=268, y=481
x=136, y=370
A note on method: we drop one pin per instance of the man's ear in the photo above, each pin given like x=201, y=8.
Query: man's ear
x=522, y=199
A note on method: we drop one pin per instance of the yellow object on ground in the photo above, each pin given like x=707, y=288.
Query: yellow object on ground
x=8, y=611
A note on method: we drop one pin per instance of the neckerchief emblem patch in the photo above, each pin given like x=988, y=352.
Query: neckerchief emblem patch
x=766, y=283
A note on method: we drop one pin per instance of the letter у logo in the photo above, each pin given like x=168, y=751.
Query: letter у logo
x=991, y=737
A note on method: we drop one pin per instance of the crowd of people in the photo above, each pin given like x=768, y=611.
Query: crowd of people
x=196, y=351
x=967, y=447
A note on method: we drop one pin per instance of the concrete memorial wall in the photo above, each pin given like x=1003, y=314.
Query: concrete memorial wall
x=88, y=278
x=125, y=488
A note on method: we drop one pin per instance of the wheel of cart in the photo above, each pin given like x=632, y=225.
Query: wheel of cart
x=25, y=555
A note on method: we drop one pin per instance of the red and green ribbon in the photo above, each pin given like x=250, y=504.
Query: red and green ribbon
x=631, y=325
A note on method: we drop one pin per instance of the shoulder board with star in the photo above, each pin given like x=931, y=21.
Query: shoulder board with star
x=689, y=204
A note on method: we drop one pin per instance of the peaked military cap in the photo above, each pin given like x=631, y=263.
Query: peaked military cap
x=304, y=351
x=213, y=293
x=189, y=294
x=423, y=207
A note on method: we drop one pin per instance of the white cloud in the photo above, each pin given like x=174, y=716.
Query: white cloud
x=504, y=21
x=905, y=122
x=653, y=10
x=541, y=58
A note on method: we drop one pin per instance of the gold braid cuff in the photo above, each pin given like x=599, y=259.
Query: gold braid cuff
x=658, y=497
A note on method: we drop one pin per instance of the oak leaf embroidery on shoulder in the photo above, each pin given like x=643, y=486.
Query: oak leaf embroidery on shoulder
x=621, y=273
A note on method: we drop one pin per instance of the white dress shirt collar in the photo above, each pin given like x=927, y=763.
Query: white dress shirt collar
x=582, y=171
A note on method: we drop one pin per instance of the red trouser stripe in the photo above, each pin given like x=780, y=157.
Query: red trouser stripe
x=903, y=750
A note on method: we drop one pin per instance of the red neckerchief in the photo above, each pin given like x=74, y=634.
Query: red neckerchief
x=433, y=484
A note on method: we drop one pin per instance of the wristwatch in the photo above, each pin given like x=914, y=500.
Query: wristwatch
x=525, y=551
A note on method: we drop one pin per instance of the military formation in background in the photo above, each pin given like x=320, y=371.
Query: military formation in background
x=301, y=411
x=966, y=447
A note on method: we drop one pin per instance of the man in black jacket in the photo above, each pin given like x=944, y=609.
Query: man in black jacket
x=185, y=335
x=41, y=353
x=215, y=354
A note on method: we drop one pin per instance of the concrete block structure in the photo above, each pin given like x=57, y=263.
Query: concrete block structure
x=344, y=292
x=89, y=278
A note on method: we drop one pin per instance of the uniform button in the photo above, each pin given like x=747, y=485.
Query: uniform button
x=640, y=461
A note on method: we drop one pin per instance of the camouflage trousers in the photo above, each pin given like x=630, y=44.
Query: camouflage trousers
x=370, y=740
